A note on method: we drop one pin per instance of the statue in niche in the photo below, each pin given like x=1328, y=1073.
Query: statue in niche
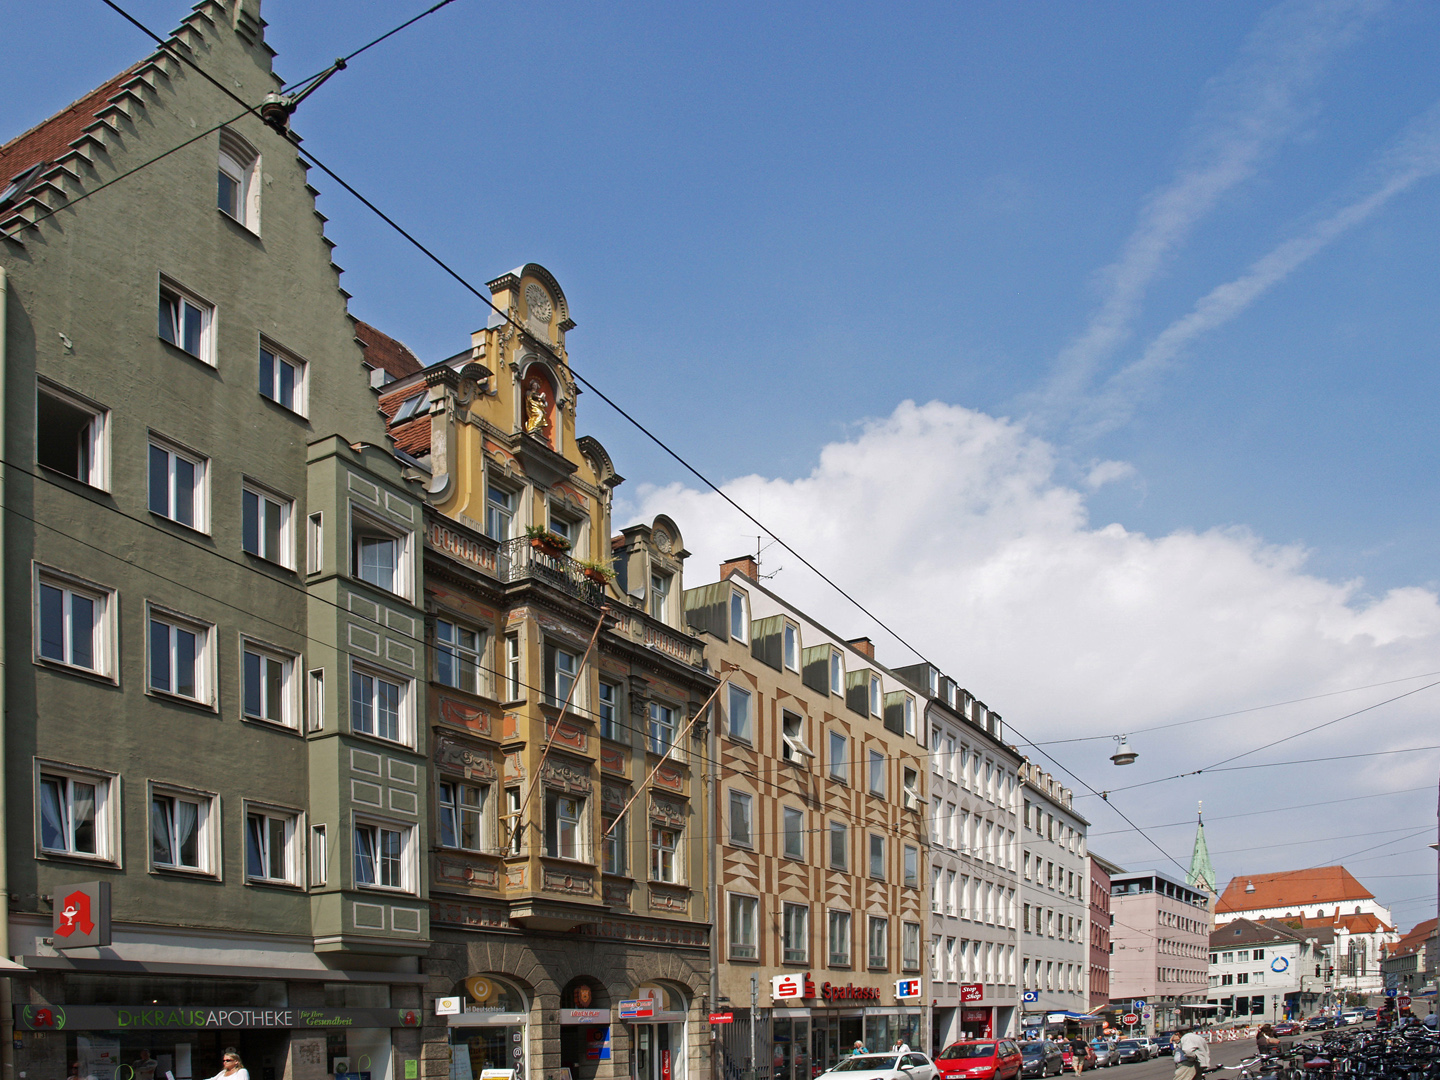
x=537, y=408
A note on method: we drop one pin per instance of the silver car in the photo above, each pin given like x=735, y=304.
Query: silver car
x=1104, y=1053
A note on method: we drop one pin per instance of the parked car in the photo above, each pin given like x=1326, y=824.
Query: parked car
x=910, y=1066
x=1068, y=1050
x=980, y=1059
x=1164, y=1044
x=1105, y=1055
x=1149, y=1044
x=1354, y=1016
x=1041, y=1058
x=1128, y=1050
x=1370, y=1014
x=1317, y=1023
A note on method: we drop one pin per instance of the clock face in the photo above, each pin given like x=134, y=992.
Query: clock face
x=538, y=301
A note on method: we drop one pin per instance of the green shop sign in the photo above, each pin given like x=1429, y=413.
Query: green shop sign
x=201, y=1017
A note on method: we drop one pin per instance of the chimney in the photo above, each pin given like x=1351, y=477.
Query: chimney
x=863, y=645
x=746, y=564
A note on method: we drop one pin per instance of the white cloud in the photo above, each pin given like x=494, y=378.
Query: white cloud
x=1246, y=113
x=951, y=525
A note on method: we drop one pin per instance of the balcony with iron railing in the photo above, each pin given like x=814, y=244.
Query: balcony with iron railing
x=522, y=558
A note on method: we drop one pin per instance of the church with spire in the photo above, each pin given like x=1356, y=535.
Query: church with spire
x=1202, y=871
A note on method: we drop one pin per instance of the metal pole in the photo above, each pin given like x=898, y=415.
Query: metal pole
x=754, y=1008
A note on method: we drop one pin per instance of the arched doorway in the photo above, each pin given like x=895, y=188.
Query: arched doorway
x=489, y=1039
x=657, y=1042
x=584, y=1026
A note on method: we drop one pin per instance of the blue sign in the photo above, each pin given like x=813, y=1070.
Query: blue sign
x=1391, y=991
x=1280, y=963
x=1139, y=1004
x=1030, y=995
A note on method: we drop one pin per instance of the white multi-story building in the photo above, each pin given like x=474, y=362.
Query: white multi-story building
x=973, y=868
x=1054, y=900
x=1266, y=970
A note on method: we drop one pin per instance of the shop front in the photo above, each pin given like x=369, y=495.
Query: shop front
x=489, y=1037
x=656, y=1017
x=977, y=1022
x=155, y=1040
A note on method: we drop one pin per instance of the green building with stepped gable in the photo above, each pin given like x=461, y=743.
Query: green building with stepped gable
x=212, y=588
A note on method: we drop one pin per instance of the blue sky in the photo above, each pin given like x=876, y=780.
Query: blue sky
x=1160, y=280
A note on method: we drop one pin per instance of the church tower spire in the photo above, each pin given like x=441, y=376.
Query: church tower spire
x=1202, y=871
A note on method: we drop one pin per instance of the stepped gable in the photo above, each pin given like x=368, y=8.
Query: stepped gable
x=1291, y=888
x=50, y=139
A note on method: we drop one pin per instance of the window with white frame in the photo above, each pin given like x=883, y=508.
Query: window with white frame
x=839, y=846
x=739, y=616
x=463, y=808
x=910, y=946
x=566, y=825
x=319, y=854
x=790, y=638
x=664, y=846
x=270, y=853
x=837, y=672
x=265, y=524
x=877, y=773
x=271, y=689
x=72, y=435
x=615, y=853
x=909, y=716
x=878, y=952
x=562, y=671
x=794, y=832
x=609, y=714
x=315, y=693
x=743, y=910
x=457, y=655
x=187, y=322
x=911, y=789
x=912, y=866
x=938, y=896
x=876, y=697
x=315, y=543
x=379, y=704
x=76, y=812
x=792, y=738
x=742, y=825
x=511, y=828
x=73, y=620
x=563, y=523
x=383, y=855
x=877, y=856
x=513, y=688
x=662, y=727
x=839, y=762
x=950, y=894
x=282, y=378
x=660, y=595
x=381, y=554
x=178, y=485
x=237, y=175
x=180, y=656
x=795, y=933
x=839, y=935
x=741, y=721
x=499, y=512
x=182, y=830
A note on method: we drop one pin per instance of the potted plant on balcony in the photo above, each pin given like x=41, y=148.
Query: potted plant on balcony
x=542, y=539
x=598, y=572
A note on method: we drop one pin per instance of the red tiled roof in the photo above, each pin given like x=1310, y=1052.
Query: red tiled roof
x=51, y=138
x=383, y=351
x=1356, y=924
x=1292, y=888
x=1415, y=940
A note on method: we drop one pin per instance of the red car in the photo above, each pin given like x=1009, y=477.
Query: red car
x=1084, y=1049
x=1287, y=1028
x=980, y=1059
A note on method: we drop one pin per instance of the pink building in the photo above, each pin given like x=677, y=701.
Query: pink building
x=1161, y=935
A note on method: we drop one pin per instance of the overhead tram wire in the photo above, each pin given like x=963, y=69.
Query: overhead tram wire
x=1275, y=810
x=249, y=110
x=1237, y=712
x=526, y=335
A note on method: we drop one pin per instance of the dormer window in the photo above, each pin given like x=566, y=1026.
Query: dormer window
x=739, y=617
x=837, y=672
x=408, y=408
x=909, y=715
x=660, y=596
x=792, y=646
x=875, y=695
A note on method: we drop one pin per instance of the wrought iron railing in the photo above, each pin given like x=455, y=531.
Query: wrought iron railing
x=521, y=558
